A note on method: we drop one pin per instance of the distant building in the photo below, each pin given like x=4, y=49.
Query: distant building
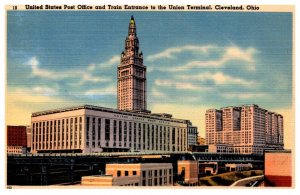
x=220, y=148
x=142, y=174
x=16, y=150
x=88, y=129
x=16, y=139
x=192, y=135
x=198, y=148
x=238, y=167
x=28, y=133
x=278, y=168
x=246, y=129
x=201, y=140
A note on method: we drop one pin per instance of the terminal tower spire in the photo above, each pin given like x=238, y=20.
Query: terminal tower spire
x=132, y=74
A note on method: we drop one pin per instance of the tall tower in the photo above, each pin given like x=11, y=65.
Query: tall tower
x=132, y=74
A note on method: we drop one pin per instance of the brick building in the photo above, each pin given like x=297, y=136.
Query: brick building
x=246, y=129
x=16, y=136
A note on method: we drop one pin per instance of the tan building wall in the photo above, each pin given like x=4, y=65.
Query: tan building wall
x=142, y=174
x=213, y=125
x=278, y=168
x=189, y=170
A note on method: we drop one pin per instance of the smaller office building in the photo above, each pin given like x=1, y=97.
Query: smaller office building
x=188, y=172
x=141, y=174
x=278, y=168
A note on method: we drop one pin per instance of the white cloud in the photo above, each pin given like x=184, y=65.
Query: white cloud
x=44, y=73
x=109, y=90
x=230, y=53
x=44, y=90
x=243, y=95
x=170, y=52
x=114, y=60
x=83, y=76
x=33, y=62
x=91, y=67
x=180, y=85
x=219, y=78
x=87, y=77
x=156, y=93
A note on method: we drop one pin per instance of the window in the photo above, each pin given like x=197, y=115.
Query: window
x=87, y=127
x=107, y=129
x=119, y=173
x=126, y=173
x=133, y=172
x=144, y=174
x=99, y=131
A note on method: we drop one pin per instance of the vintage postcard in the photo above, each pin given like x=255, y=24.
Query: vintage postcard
x=133, y=96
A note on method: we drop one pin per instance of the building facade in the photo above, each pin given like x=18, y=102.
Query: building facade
x=16, y=139
x=246, y=129
x=132, y=74
x=213, y=126
x=16, y=150
x=142, y=174
x=88, y=129
x=188, y=170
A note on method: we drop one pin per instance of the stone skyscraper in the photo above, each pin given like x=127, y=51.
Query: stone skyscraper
x=132, y=75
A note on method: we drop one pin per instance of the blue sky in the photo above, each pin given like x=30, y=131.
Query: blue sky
x=195, y=60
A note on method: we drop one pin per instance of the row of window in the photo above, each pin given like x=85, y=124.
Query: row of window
x=138, y=136
x=61, y=133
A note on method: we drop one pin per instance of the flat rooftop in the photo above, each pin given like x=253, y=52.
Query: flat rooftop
x=110, y=110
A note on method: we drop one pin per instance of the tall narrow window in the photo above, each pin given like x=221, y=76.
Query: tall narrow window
x=120, y=133
x=99, y=131
x=107, y=129
x=87, y=130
